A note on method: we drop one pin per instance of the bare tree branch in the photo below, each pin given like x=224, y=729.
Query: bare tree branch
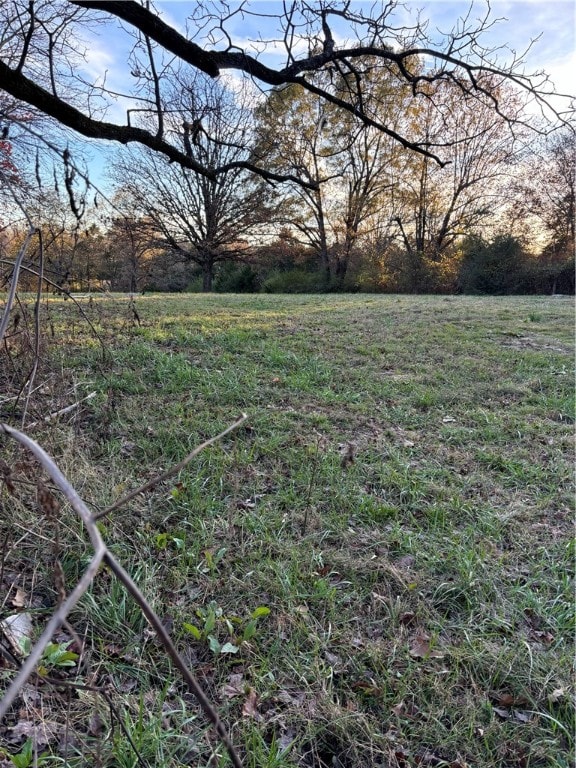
x=170, y=472
x=102, y=554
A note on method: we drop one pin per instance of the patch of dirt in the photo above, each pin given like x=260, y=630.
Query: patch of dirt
x=530, y=342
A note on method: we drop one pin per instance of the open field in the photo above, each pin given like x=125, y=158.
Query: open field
x=399, y=505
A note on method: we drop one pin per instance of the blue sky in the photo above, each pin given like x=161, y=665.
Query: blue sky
x=553, y=22
x=550, y=23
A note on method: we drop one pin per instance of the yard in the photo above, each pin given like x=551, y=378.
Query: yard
x=374, y=569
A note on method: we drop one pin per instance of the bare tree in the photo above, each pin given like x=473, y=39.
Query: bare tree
x=348, y=163
x=545, y=193
x=434, y=207
x=200, y=219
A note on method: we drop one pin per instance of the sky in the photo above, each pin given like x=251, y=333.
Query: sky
x=549, y=26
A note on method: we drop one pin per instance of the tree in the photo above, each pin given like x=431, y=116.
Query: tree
x=41, y=65
x=435, y=207
x=200, y=219
x=545, y=193
x=493, y=267
x=292, y=141
x=350, y=165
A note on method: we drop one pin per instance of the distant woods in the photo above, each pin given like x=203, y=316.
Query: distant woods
x=391, y=163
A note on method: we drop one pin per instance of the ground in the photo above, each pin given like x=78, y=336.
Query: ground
x=374, y=569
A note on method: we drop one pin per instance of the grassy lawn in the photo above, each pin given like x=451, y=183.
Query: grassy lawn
x=374, y=570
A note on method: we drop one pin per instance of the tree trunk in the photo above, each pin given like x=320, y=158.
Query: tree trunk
x=207, y=275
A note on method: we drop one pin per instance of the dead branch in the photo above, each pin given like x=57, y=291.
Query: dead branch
x=169, y=472
x=103, y=555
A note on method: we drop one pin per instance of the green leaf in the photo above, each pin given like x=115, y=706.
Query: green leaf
x=194, y=631
x=210, y=623
x=214, y=644
x=25, y=644
x=229, y=648
x=260, y=611
x=24, y=758
x=249, y=631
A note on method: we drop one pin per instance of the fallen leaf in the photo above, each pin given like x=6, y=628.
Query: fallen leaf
x=17, y=629
x=286, y=740
x=522, y=717
x=332, y=659
x=367, y=688
x=348, y=453
x=556, y=695
x=19, y=599
x=420, y=648
x=508, y=700
x=407, y=618
x=42, y=734
x=503, y=713
x=47, y=501
x=250, y=706
x=95, y=725
x=234, y=686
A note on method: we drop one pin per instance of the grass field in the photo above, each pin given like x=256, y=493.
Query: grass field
x=374, y=570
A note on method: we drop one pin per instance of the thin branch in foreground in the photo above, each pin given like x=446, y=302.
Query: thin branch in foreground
x=62, y=411
x=170, y=472
x=103, y=555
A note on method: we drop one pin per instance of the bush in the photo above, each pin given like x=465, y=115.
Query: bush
x=293, y=281
x=237, y=278
x=498, y=267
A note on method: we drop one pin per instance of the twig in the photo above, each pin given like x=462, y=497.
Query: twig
x=102, y=554
x=169, y=472
x=37, y=305
x=64, y=609
x=62, y=411
x=14, y=282
x=179, y=663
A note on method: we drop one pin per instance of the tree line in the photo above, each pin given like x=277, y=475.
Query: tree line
x=361, y=169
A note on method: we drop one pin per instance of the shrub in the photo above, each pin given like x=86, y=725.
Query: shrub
x=293, y=281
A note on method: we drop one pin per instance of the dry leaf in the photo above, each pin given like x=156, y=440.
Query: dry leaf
x=19, y=599
x=17, y=628
x=233, y=687
x=47, y=501
x=42, y=734
x=420, y=648
x=250, y=706
x=522, y=717
x=557, y=695
x=347, y=452
x=286, y=740
x=6, y=475
x=95, y=725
